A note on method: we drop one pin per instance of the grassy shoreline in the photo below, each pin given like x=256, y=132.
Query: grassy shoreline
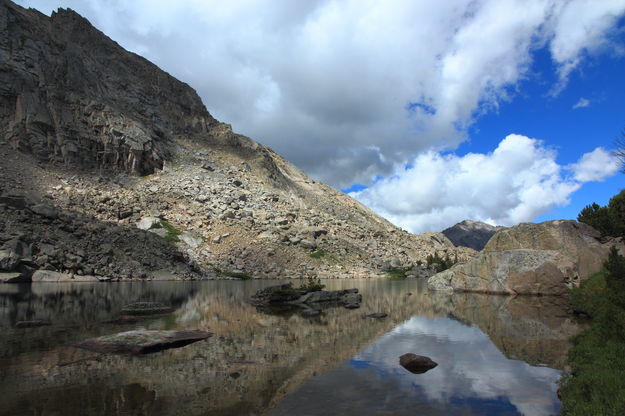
x=596, y=383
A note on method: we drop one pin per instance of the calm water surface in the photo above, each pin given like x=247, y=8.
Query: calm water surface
x=497, y=355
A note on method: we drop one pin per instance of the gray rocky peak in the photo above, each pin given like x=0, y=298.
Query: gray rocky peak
x=472, y=234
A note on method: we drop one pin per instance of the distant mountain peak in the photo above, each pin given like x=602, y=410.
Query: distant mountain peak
x=470, y=233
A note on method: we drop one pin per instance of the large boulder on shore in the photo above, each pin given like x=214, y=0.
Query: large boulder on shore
x=546, y=259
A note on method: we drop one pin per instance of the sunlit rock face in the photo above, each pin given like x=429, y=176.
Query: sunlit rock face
x=254, y=359
x=546, y=258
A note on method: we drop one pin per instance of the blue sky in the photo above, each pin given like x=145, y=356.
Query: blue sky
x=441, y=111
x=536, y=113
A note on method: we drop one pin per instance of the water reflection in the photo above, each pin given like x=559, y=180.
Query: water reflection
x=255, y=360
x=473, y=378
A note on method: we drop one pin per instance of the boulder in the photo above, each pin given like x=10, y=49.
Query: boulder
x=13, y=278
x=146, y=223
x=142, y=341
x=12, y=253
x=536, y=259
x=192, y=240
x=164, y=275
x=8, y=260
x=44, y=210
x=416, y=364
x=308, y=244
x=49, y=276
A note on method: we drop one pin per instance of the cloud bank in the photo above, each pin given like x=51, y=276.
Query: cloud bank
x=517, y=182
x=349, y=90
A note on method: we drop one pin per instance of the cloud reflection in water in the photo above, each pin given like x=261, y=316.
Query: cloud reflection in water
x=473, y=378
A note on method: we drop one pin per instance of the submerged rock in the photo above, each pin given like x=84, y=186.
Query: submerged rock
x=309, y=313
x=287, y=295
x=276, y=294
x=32, y=324
x=145, y=308
x=416, y=364
x=123, y=319
x=377, y=315
x=142, y=341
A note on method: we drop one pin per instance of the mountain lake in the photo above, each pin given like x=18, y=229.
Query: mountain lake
x=496, y=355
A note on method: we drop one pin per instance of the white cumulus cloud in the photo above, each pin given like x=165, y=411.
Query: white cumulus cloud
x=517, y=182
x=595, y=166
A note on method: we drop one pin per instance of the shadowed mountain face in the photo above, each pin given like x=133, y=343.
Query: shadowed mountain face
x=472, y=234
x=93, y=137
x=70, y=94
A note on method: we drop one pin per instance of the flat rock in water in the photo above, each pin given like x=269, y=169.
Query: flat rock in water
x=416, y=364
x=32, y=324
x=145, y=308
x=309, y=313
x=142, y=341
x=123, y=319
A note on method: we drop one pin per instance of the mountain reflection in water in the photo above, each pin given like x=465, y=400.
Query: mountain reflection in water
x=338, y=363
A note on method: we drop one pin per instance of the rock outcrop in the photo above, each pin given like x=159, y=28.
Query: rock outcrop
x=113, y=168
x=546, y=259
x=472, y=234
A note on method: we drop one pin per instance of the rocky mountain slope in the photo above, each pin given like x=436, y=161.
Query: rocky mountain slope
x=112, y=168
x=472, y=234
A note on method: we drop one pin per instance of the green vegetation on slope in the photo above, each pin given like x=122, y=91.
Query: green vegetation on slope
x=609, y=220
x=445, y=263
x=397, y=272
x=228, y=273
x=596, y=385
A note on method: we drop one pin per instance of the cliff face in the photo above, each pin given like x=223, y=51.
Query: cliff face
x=69, y=94
x=95, y=139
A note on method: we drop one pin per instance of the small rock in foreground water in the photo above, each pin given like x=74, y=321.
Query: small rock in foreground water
x=416, y=364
